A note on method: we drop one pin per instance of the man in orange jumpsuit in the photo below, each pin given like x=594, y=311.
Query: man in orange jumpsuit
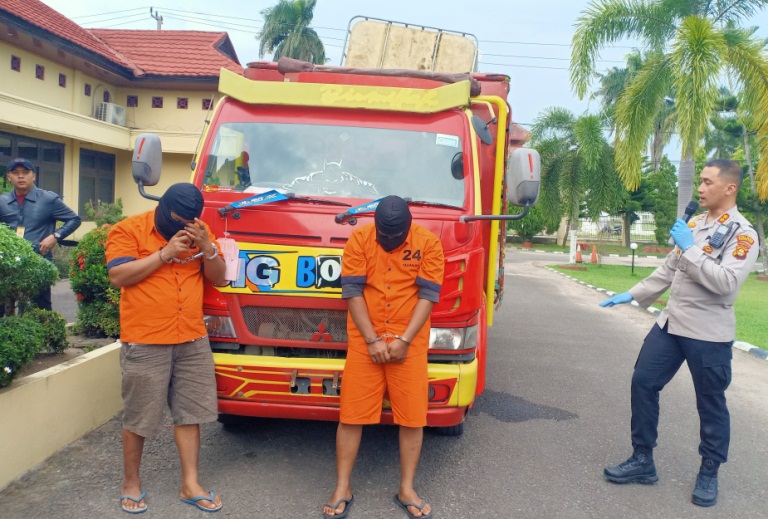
x=391, y=276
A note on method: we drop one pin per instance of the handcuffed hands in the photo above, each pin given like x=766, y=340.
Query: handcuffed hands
x=379, y=352
x=398, y=350
x=618, y=299
x=682, y=234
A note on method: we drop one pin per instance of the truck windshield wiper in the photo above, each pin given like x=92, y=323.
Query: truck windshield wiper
x=311, y=200
x=371, y=206
x=271, y=197
x=434, y=204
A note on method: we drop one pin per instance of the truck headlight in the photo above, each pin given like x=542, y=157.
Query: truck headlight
x=219, y=326
x=453, y=338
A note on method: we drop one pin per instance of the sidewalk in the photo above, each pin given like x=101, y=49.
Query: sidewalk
x=63, y=300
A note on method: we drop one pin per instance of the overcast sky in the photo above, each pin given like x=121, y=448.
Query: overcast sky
x=527, y=40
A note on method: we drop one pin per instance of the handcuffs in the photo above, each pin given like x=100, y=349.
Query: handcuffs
x=387, y=336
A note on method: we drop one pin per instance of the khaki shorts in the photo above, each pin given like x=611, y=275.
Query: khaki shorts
x=161, y=376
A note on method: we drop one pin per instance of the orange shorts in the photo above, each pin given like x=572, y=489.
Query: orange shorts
x=364, y=383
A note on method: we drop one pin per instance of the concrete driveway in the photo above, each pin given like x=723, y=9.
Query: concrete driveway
x=556, y=411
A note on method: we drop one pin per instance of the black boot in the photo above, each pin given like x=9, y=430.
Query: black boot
x=639, y=468
x=705, y=491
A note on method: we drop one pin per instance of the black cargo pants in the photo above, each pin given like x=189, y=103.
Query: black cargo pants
x=660, y=358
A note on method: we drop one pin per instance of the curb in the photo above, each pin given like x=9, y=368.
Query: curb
x=741, y=345
x=539, y=251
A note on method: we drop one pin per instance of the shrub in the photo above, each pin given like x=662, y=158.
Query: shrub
x=54, y=328
x=530, y=225
x=20, y=339
x=102, y=213
x=23, y=272
x=98, y=301
x=100, y=318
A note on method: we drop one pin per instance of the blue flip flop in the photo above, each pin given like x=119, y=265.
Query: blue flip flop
x=136, y=500
x=195, y=501
x=405, y=504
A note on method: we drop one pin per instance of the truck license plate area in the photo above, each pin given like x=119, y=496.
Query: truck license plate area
x=299, y=385
x=332, y=386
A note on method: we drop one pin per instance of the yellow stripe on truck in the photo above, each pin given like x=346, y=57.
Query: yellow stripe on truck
x=464, y=374
x=417, y=100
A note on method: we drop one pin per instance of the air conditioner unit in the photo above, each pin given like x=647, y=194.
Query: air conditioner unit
x=110, y=113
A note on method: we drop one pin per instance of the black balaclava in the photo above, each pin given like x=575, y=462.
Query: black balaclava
x=185, y=200
x=392, y=217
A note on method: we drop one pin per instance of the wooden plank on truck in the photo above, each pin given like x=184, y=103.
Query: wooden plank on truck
x=373, y=43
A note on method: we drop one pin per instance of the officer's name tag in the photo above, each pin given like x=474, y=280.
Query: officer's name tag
x=20, y=231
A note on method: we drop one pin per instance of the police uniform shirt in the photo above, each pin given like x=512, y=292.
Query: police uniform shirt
x=704, y=280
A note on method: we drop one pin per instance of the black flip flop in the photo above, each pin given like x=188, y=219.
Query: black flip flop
x=405, y=504
x=342, y=515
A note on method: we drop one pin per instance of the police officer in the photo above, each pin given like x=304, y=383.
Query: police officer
x=33, y=212
x=715, y=253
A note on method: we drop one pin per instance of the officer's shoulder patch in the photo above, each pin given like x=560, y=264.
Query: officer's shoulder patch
x=745, y=240
x=740, y=252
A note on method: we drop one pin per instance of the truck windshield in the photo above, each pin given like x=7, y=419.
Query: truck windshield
x=337, y=161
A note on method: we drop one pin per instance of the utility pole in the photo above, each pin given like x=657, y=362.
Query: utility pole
x=156, y=15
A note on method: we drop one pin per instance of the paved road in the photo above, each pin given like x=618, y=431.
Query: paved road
x=555, y=412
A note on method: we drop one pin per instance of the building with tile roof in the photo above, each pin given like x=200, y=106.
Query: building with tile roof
x=73, y=100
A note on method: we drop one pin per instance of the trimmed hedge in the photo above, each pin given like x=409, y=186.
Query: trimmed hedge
x=20, y=339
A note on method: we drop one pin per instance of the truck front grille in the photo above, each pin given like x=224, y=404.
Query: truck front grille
x=296, y=324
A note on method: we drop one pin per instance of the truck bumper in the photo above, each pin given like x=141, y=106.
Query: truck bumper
x=278, y=387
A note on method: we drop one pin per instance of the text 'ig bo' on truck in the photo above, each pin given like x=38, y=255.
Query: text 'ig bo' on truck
x=295, y=157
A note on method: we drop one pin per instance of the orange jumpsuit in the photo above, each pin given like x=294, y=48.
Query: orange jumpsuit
x=391, y=283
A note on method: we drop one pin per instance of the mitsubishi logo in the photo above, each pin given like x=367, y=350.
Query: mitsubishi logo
x=321, y=334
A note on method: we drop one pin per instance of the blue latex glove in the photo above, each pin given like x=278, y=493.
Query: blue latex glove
x=682, y=234
x=618, y=299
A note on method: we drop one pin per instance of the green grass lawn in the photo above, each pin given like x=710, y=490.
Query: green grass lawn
x=750, y=306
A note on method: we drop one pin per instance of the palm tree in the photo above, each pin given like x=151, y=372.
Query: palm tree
x=612, y=85
x=286, y=32
x=577, y=166
x=731, y=129
x=690, y=45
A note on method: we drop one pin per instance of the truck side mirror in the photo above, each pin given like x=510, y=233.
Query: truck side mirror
x=457, y=166
x=481, y=128
x=523, y=176
x=147, y=161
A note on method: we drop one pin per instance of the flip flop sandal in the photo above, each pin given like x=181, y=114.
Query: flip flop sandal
x=342, y=515
x=136, y=500
x=405, y=504
x=195, y=501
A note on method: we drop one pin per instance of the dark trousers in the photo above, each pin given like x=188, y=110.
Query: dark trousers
x=661, y=356
x=42, y=300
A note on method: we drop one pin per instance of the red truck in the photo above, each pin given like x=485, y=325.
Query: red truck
x=294, y=158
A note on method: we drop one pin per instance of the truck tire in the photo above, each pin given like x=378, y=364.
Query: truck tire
x=230, y=421
x=452, y=430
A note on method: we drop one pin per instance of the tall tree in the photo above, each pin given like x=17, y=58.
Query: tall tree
x=577, y=166
x=612, y=85
x=286, y=32
x=690, y=45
